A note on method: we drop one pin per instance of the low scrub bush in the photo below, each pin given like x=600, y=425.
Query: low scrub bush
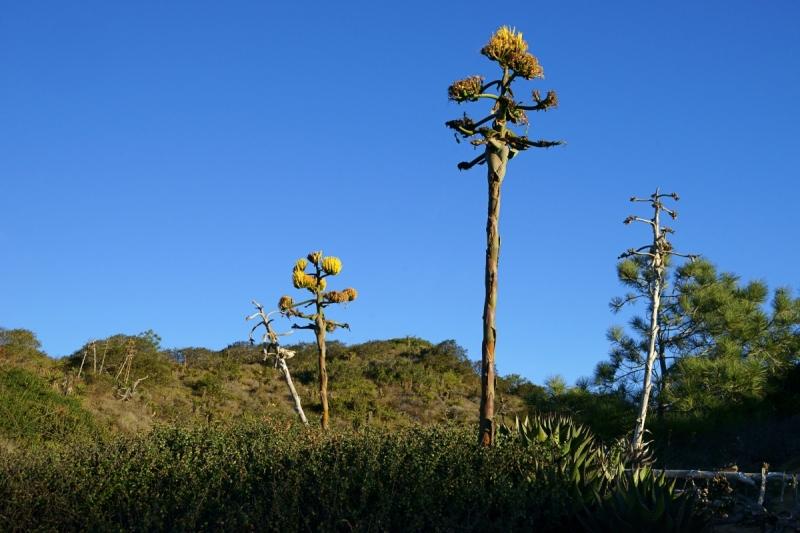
x=276, y=476
x=30, y=409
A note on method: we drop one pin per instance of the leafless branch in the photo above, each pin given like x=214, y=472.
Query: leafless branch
x=126, y=393
x=279, y=354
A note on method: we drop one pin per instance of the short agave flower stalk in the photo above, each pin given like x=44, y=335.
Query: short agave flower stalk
x=316, y=284
x=656, y=252
x=270, y=346
x=495, y=133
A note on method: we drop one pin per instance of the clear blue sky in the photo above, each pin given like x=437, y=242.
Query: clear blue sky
x=163, y=163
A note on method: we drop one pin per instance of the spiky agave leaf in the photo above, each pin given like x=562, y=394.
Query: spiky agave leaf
x=640, y=501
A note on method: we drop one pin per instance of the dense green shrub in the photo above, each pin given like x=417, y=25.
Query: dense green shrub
x=30, y=409
x=275, y=476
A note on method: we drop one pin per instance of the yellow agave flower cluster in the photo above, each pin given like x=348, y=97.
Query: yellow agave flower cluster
x=337, y=297
x=301, y=280
x=331, y=265
x=314, y=257
x=285, y=303
x=465, y=89
x=507, y=47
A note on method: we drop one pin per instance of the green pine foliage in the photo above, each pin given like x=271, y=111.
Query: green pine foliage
x=723, y=346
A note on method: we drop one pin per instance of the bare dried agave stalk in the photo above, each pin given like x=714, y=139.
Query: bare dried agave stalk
x=657, y=252
x=316, y=284
x=270, y=346
x=501, y=144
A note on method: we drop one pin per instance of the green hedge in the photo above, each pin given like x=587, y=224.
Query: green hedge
x=277, y=476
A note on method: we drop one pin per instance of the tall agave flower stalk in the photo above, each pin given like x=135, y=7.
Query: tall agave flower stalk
x=501, y=144
x=316, y=283
x=279, y=354
x=657, y=252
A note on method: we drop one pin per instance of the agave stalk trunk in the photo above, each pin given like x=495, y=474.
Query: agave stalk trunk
x=296, y=397
x=652, y=353
x=319, y=329
x=496, y=159
x=638, y=432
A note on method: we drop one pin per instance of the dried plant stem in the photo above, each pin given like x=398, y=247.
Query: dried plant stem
x=126, y=393
x=657, y=253
x=655, y=305
x=279, y=355
x=80, y=370
x=298, y=407
x=103, y=362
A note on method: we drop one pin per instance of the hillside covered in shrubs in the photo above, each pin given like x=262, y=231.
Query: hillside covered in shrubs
x=398, y=382
x=390, y=384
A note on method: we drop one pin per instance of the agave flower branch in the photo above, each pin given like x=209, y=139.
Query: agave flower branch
x=316, y=283
x=656, y=252
x=501, y=144
x=270, y=346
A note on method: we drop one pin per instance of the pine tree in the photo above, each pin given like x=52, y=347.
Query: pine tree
x=720, y=343
x=742, y=346
x=623, y=372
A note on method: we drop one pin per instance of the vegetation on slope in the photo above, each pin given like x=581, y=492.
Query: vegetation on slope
x=398, y=382
x=389, y=384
